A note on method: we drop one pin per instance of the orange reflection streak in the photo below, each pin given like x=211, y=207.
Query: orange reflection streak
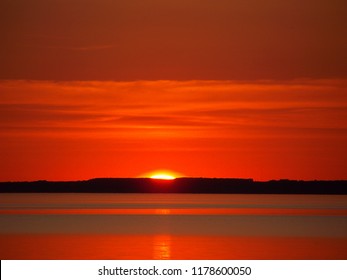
x=163, y=211
x=181, y=211
x=162, y=247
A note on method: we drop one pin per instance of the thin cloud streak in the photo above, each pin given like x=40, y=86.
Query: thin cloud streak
x=75, y=48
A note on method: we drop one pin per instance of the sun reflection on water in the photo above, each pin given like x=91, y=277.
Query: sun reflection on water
x=162, y=211
x=162, y=247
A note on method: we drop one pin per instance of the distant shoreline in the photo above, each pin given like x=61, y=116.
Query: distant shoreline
x=178, y=185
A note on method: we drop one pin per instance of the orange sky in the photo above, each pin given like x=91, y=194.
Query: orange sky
x=204, y=88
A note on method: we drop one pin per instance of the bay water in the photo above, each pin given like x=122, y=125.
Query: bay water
x=172, y=226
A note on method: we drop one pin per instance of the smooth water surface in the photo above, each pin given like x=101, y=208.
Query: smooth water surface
x=172, y=226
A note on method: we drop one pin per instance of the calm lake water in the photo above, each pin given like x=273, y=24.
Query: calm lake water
x=172, y=226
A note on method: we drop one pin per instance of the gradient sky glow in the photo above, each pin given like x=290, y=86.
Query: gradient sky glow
x=101, y=88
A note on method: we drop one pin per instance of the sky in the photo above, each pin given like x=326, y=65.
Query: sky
x=227, y=88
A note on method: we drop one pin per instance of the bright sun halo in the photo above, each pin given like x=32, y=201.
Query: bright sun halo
x=162, y=176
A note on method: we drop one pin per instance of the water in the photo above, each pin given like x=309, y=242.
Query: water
x=172, y=226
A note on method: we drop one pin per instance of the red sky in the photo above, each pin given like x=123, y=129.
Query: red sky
x=204, y=88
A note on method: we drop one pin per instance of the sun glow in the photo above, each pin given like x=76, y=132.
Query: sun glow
x=162, y=176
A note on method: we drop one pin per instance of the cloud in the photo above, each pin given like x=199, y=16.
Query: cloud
x=75, y=48
x=188, y=109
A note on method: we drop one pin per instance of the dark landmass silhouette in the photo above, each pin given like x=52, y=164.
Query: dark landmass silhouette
x=178, y=185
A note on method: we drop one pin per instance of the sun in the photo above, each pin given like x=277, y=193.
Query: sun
x=162, y=175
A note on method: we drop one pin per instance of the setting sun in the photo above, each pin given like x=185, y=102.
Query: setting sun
x=163, y=176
